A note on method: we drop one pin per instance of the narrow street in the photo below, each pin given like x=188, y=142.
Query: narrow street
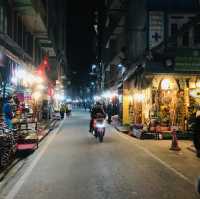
x=71, y=164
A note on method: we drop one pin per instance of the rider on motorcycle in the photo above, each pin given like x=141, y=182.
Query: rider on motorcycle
x=96, y=110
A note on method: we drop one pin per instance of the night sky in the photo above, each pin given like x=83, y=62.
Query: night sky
x=80, y=34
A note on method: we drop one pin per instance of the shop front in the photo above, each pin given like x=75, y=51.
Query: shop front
x=169, y=100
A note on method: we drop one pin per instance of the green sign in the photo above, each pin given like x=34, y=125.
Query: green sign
x=187, y=60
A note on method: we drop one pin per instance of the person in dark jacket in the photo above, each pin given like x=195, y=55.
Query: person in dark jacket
x=62, y=111
x=196, y=133
x=97, y=109
x=109, y=112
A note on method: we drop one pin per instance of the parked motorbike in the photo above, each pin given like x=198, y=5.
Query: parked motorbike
x=99, y=128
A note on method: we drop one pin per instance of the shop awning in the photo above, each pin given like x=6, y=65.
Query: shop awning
x=156, y=68
x=137, y=79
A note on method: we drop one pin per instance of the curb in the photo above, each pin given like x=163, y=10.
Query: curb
x=125, y=131
x=4, y=173
x=50, y=128
x=191, y=148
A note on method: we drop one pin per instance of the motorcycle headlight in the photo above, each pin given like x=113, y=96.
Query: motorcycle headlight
x=98, y=125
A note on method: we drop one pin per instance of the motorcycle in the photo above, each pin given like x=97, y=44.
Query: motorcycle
x=99, y=127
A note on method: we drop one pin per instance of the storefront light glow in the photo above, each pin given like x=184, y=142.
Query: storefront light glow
x=38, y=80
x=30, y=78
x=198, y=83
x=40, y=87
x=195, y=93
x=14, y=80
x=97, y=98
x=109, y=95
x=165, y=84
x=37, y=95
x=21, y=74
x=139, y=97
x=59, y=97
x=68, y=100
x=130, y=97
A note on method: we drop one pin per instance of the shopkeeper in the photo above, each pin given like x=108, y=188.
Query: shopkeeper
x=7, y=111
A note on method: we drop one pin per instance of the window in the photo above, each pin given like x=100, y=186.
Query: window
x=174, y=29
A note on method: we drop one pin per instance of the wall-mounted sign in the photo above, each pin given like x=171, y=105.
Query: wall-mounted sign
x=187, y=60
x=156, y=28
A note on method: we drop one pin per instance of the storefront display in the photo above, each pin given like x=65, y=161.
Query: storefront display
x=168, y=101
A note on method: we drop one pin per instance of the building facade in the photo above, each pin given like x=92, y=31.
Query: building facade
x=153, y=53
x=32, y=43
x=28, y=33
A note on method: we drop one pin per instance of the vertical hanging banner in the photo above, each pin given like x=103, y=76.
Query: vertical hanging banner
x=156, y=28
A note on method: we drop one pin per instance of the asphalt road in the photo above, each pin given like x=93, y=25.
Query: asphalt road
x=71, y=164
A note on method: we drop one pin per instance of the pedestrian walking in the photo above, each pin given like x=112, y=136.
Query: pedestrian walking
x=109, y=112
x=196, y=133
x=85, y=106
x=62, y=111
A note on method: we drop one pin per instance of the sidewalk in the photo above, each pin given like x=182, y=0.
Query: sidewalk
x=44, y=129
x=184, y=161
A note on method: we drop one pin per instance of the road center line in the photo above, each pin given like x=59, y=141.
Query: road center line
x=158, y=159
x=14, y=191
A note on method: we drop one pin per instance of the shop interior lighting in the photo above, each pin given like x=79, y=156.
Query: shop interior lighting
x=139, y=97
x=195, y=93
x=109, y=95
x=20, y=74
x=198, y=83
x=37, y=95
x=130, y=97
x=59, y=97
x=40, y=87
x=14, y=80
x=38, y=80
x=165, y=84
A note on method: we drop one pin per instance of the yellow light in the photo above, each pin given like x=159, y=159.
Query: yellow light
x=40, y=87
x=130, y=98
x=36, y=95
x=165, y=84
x=139, y=97
x=198, y=83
